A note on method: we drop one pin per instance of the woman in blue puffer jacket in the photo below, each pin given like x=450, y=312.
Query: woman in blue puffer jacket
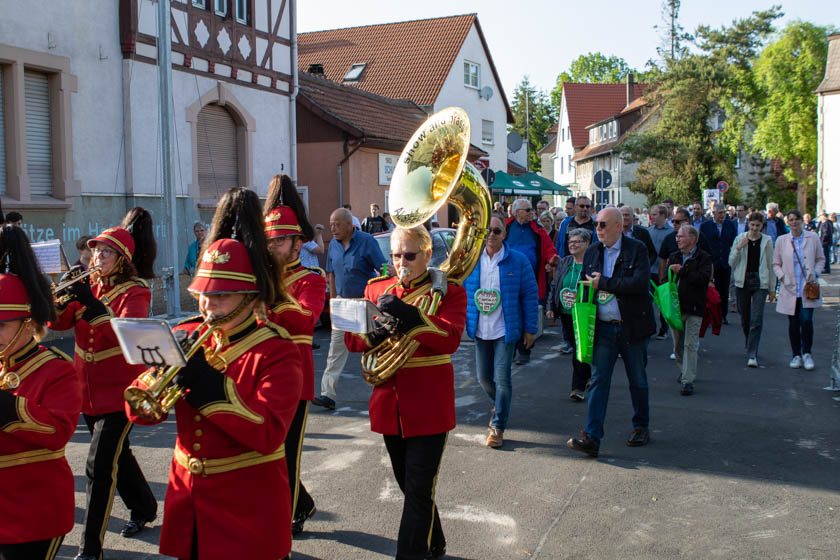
x=501, y=306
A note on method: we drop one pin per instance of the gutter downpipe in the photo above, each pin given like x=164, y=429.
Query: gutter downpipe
x=295, y=88
x=340, y=163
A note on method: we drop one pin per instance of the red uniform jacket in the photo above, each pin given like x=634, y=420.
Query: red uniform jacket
x=236, y=496
x=37, y=501
x=419, y=399
x=545, y=254
x=99, y=360
x=306, y=288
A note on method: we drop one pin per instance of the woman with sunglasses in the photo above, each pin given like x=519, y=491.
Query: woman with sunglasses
x=562, y=297
x=125, y=257
x=415, y=408
x=501, y=307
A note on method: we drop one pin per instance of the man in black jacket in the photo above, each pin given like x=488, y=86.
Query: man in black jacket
x=693, y=269
x=630, y=229
x=618, y=270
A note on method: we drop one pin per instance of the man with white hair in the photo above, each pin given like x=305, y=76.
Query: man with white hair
x=720, y=233
x=775, y=224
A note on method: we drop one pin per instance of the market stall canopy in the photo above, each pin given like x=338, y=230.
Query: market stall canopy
x=529, y=184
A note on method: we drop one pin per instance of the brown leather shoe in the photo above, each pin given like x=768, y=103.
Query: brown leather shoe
x=494, y=438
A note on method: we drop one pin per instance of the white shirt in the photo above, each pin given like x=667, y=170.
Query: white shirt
x=492, y=326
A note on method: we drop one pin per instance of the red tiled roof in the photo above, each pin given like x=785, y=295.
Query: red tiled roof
x=362, y=114
x=551, y=147
x=589, y=103
x=405, y=60
x=593, y=150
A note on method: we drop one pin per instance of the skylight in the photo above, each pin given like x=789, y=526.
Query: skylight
x=354, y=73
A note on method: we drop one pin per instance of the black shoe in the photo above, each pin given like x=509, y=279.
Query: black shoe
x=585, y=444
x=300, y=519
x=436, y=552
x=638, y=437
x=687, y=389
x=316, y=346
x=132, y=528
x=324, y=401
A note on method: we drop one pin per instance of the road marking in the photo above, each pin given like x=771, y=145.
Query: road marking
x=341, y=461
x=479, y=515
x=559, y=515
x=465, y=400
x=477, y=438
x=390, y=492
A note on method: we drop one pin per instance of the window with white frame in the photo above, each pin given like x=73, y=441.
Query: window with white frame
x=355, y=72
x=242, y=11
x=486, y=132
x=220, y=7
x=562, y=134
x=199, y=4
x=562, y=161
x=2, y=139
x=472, y=74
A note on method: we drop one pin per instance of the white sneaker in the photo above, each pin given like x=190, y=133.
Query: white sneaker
x=673, y=356
x=796, y=362
x=752, y=362
x=808, y=362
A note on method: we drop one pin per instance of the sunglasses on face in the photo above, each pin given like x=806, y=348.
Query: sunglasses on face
x=584, y=206
x=601, y=225
x=407, y=256
x=495, y=230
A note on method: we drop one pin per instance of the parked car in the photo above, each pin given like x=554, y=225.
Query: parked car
x=442, y=240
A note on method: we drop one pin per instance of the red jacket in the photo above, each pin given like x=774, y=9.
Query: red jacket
x=238, y=496
x=307, y=289
x=38, y=501
x=545, y=254
x=99, y=360
x=419, y=399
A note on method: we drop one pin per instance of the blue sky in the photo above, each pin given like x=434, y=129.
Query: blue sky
x=540, y=38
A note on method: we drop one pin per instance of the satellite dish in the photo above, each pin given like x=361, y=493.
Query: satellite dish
x=514, y=141
x=486, y=92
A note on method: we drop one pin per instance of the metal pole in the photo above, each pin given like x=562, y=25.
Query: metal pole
x=173, y=291
x=527, y=131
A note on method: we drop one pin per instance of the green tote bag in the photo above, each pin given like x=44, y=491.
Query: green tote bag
x=584, y=315
x=667, y=298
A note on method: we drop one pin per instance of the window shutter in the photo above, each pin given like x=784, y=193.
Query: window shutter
x=38, y=133
x=2, y=140
x=218, y=154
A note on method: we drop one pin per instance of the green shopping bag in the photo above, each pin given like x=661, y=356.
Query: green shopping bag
x=667, y=298
x=584, y=315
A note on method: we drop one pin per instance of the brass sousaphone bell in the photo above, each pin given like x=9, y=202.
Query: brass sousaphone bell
x=433, y=170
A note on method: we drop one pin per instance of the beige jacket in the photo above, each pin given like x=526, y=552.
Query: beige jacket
x=738, y=262
x=784, y=261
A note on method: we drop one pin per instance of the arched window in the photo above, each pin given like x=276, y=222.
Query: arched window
x=218, y=147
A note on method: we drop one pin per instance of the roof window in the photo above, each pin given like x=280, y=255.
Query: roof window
x=354, y=73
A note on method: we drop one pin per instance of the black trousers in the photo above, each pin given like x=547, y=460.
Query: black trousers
x=301, y=500
x=581, y=372
x=111, y=466
x=416, y=461
x=722, y=277
x=36, y=550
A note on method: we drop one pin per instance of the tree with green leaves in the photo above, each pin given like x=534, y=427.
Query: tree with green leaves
x=674, y=37
x=787, y=73
x=541, y=116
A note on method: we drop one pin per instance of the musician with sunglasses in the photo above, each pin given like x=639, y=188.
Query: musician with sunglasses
x=415, y=408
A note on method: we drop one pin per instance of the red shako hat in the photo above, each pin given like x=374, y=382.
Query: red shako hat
x=14, y=299
x=118, y=239
x=281, y=221
x=224, y=267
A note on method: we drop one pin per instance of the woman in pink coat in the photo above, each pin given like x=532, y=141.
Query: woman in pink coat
x=797, y=259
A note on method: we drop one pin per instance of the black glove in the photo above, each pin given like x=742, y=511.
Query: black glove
x=408, y=317
x=94, y=309
x=204, y=383
x=377, y=335
x=81, y=292
x=8, y=409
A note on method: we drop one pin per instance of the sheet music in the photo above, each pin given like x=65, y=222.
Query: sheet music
x=51, y=257
x=352, y=315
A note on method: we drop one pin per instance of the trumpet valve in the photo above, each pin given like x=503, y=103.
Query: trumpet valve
x=144, y=404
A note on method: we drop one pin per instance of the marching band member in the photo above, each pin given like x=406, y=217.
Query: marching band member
x=415, y=408
x=302, y=293
x=228, y=493
x=40, y=400
x=117, y=290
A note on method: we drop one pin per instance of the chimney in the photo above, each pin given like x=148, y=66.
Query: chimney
x=631, y=94
x=316, y=69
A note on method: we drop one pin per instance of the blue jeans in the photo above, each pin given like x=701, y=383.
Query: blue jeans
x=492, y=364
x=609, y=344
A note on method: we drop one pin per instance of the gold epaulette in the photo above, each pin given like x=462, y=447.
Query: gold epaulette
x=60, y=354
x=277, y=329
x=194, y=319
x=379, y=278
x=316, y=270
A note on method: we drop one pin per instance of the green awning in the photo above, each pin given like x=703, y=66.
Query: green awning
x=529, y=184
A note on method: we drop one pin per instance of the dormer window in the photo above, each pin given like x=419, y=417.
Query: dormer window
x=355, y=73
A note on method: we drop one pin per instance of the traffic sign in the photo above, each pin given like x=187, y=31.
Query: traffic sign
x=603, y=179
x=489, y=175
x=722, y=186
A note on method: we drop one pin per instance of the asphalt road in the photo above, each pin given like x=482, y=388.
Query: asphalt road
x=747, y=467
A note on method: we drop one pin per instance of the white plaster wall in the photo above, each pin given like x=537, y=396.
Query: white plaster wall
x=95, y=59
x=829, y=175
x=455, y=93
x=564, y=148
x=271, y=147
